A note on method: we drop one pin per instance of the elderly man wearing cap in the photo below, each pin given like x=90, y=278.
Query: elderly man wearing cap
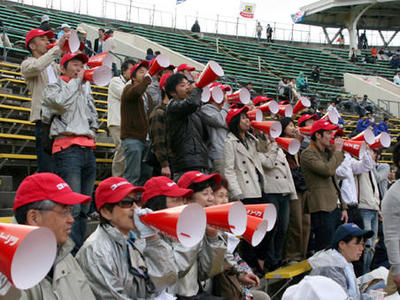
x=159, y=159
x=87, y=44
x=136, y=106
x=64, y=29
x=213, y=115
x=319, y=162
x=186, y=130
x=44, y=199
x=38, y=71
x=68, y=107
x=115, y=88
x=347, y=246
x=123, y=258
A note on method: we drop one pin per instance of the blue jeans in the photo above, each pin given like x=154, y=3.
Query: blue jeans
x=77, y=166
x=136, y=171
x=370, y=218
x=45, y=162
x=324, y=225
x=272, y=244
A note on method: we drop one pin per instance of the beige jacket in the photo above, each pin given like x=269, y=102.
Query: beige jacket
x=243, y=168
x=35, y=73
x=115, y=89
x=278, y=177
x=68, y=282
x=368, y=191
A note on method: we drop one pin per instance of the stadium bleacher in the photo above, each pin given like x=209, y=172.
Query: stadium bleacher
x=240, y=60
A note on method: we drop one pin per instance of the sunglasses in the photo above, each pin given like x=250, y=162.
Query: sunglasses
x=128, y=202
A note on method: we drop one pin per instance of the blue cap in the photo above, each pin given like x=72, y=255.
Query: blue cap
x=349, y=229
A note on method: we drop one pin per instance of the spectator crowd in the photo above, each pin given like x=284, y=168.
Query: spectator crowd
x=172, y=149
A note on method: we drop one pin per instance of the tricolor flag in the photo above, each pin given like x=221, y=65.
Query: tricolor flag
x=179, y=1
x=247, y=9
x=299, y=16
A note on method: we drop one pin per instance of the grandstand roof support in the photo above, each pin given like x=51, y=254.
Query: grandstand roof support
x=351, y=24
x=330, y=41
x=390, y=40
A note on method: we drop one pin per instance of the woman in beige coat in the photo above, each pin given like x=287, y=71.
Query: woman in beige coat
x=243, y=170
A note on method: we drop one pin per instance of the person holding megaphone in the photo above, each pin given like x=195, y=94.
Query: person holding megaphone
x=124, y=258
x=68, y=107
x=45, y=200
x=203, y=260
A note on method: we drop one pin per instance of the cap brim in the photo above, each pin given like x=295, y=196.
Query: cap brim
x=72, y=198
x=179, y=192
x=330, y=127
x=216, y=176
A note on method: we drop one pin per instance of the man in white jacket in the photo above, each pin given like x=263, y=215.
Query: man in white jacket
x=115, y=89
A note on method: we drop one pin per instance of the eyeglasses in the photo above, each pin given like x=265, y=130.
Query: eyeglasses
x=65, y=212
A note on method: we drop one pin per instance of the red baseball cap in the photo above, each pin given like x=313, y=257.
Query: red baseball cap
x=37, y=32
x=67, y=57
x=195, y=177
x=113, y=190
x=284, y=102
x=46, y=186
x=163, y=80
x=338, y=132
x=143, y=63
x=322, y=125
x=260, y=99
x=306, y=117
x=185, y=67
x=163, y=186
x=235, y=112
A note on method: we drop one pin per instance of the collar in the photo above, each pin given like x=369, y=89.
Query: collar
x=123, y=79
x=106, y=37
x=63, y=250
x=115, y=234
x=65, y=78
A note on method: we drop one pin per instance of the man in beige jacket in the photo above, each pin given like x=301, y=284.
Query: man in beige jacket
x=39, y=70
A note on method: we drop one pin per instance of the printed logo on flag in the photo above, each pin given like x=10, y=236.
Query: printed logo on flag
x=180, y=1
x=299, y=16
x=247, y=10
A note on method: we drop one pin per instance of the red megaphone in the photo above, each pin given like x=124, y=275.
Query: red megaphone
x=255, y=230
x=332, y=117
x=271, y=107
x=102, y=59
x=211, y=73
x=229, y=217
x=27, y=253
x=301, y=104
x=306, y=130
x=159, y=63
x=273, y=128
x=255, y=115
x=290, y=145
x=383, y=140
x=286, y=110
x=71, y=45
x=240, y=96
x=217, y=94
x=186, y=223
x=355, y=148
x=264, y=211
x=100, y=76
x=367, y=135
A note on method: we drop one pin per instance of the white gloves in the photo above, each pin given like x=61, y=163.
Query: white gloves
x=143, y=230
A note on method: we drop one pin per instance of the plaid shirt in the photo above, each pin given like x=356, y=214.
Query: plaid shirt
x=158, y=134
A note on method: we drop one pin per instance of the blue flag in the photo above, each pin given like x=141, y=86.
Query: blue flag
x=299, y=16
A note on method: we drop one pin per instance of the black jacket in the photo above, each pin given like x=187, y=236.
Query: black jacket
x=96, y=45
x=187, y=134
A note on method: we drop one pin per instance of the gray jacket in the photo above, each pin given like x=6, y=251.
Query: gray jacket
x=103, y=258
x=73, y=105
x=67, y=283
x=196, y=264
x=329, y=264
x=214, y=118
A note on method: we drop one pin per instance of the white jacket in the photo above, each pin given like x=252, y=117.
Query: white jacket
x=117, y=85
x=345, y=173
